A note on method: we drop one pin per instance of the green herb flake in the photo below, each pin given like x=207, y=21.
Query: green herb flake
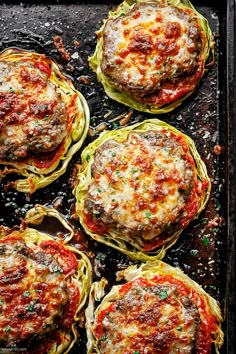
x=26, y=293
x=30, y=308
x=212, y=287
x=20, y=315
x=7, y=329
x=88, y=158
x=205, y=241
x=99, y=190
x=148, y=214
x=103, y=339
x=101, y=256
x=118, y=172
x=194, y=252
x=115, y=125
x=163, y=294
x=152, y=60
x=179, y=328
x=11, y=89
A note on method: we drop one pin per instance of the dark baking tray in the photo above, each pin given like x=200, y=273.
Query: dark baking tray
x=207, y=254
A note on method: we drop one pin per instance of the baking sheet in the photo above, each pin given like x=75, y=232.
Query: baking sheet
x=206, y=249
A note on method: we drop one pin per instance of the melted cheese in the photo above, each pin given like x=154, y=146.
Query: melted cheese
x=33, y=292
x=149, y=45
x=32, y=115
x=148, y=319
x=141, y=186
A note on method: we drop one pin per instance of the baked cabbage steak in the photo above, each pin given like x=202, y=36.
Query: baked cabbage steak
x=138, y=187
x=43, y=119
x=151, y=55
x=156, y=309
x=44, y=284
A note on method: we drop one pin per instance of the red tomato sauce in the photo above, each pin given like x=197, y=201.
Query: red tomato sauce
x=46, y=160
x=70, y=310
x=66, y=258
x=95, y=225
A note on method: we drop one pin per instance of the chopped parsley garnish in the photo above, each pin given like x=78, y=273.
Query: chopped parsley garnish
x=213, y=287
x=148, y=214
x=115, y=125
x=103, y=338
x=179, y=328
x=20, y=315
x=205, y=240
x=88, y=158
x=30, y=307
x=7, y=329
x=26, y=293
x=163, y=294
x=194, y=252
x=152, y=60
x=118, y=172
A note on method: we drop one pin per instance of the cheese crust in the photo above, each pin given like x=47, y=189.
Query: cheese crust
x=140, y=186
x=33, y=291
x=152, y=54
x=43, y=119
x=156, y=309
x=154, y=318
x=33, y=115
